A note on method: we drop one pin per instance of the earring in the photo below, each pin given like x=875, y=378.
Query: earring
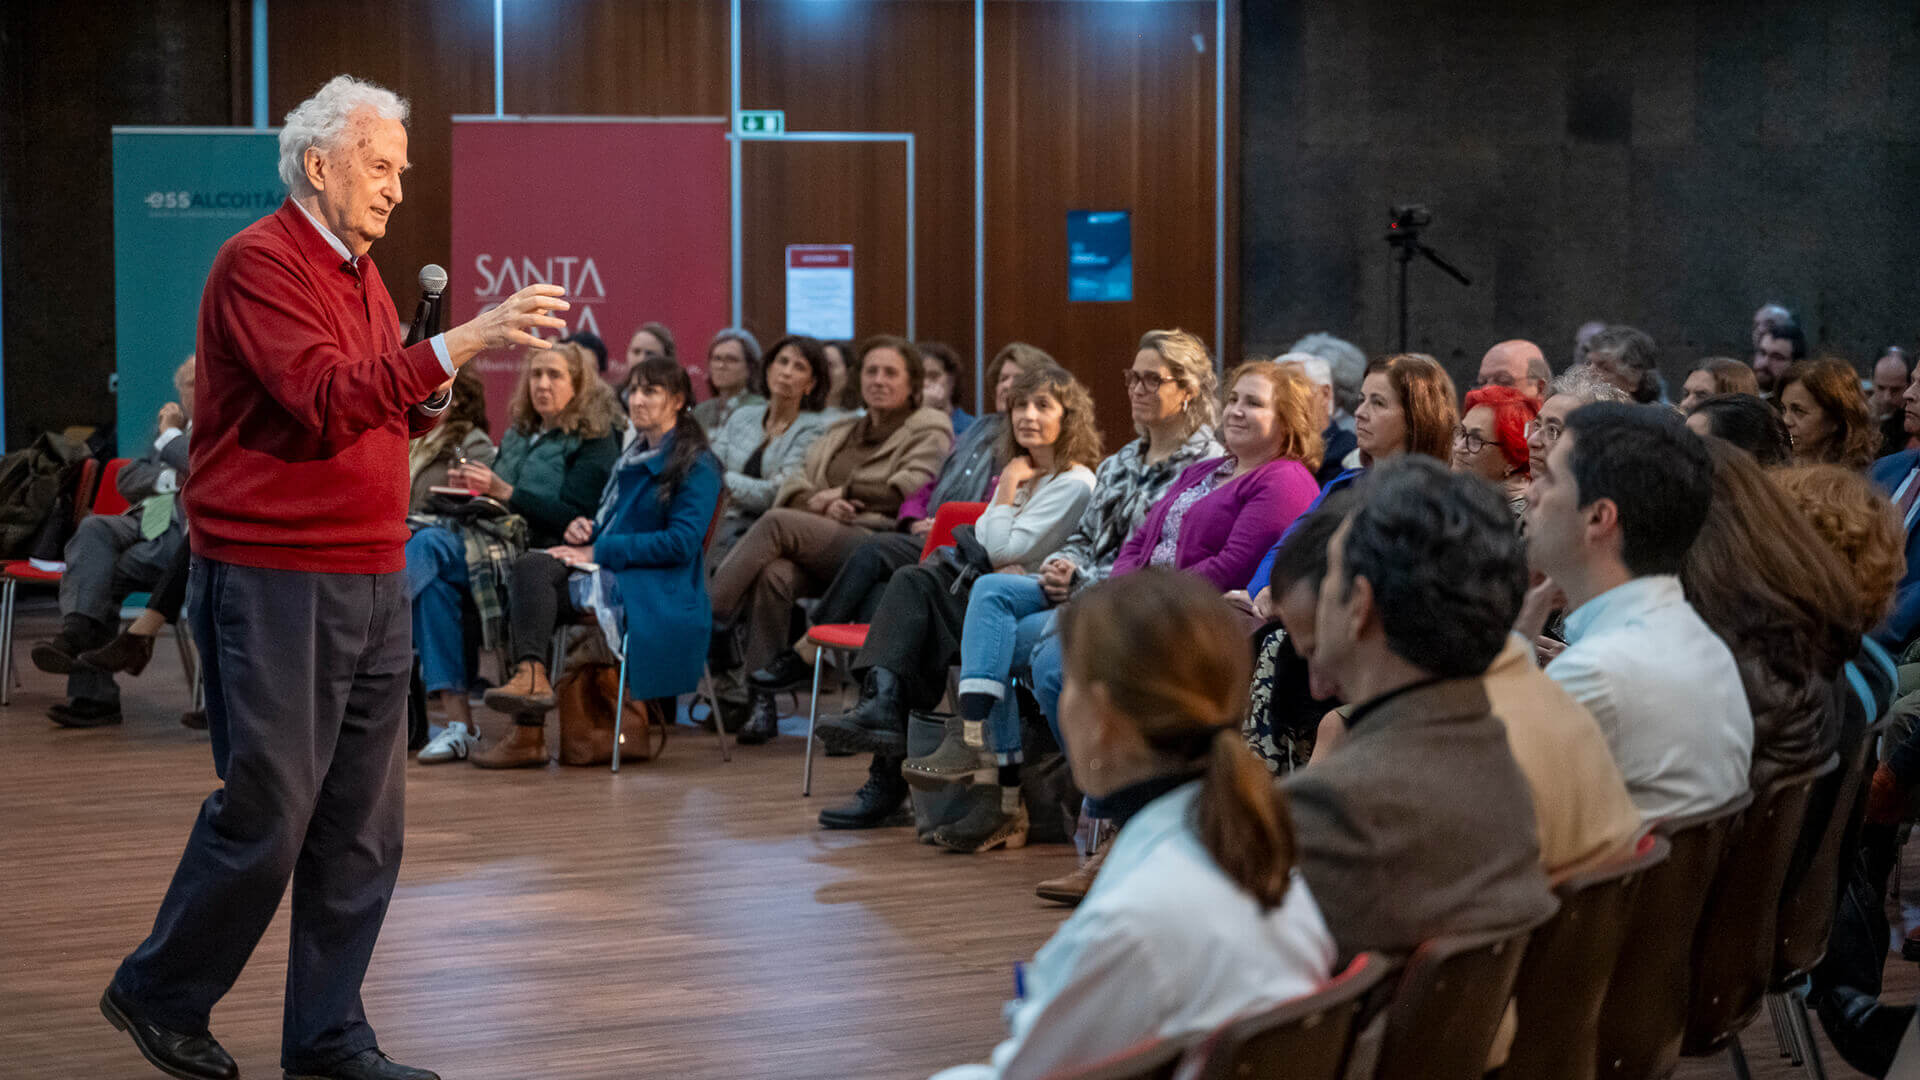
x=1094, y=765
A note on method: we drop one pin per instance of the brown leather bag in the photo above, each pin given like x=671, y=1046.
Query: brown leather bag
x=587, y=693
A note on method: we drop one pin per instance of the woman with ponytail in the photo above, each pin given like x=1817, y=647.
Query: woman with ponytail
x=638, y=565
x=1198, y=915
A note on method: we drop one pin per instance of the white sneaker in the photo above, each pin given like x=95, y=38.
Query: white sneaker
x=453, y=743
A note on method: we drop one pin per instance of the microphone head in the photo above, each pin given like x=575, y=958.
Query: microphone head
x=433, y=279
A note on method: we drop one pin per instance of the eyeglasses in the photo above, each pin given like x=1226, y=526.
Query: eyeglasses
x=1472, y=440
x=1548, y=430
x=1150, y=381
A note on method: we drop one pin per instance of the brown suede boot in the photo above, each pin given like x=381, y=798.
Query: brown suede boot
x=523, y=747
x=529, y=691
x=1072, y=888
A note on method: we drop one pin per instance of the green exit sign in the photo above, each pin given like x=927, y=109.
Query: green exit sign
x=760, y=122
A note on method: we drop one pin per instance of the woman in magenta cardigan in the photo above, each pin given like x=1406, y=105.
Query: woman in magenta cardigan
x=1220, y=517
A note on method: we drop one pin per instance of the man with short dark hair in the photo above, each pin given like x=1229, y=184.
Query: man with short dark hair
x=1775, y=348
x=1419, y=823
x=1611, y=512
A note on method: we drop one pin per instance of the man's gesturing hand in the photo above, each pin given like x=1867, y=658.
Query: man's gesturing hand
x=511, y=323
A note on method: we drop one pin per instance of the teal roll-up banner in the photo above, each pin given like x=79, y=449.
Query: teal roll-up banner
x=178, y=194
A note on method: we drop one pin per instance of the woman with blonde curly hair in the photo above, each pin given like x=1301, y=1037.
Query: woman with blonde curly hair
x=1826, y=414
x=1051, y=442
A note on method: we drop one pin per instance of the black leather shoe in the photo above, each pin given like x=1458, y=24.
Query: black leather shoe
x=128, y=653
x=195, y=719
x=187, y=1056
x=55, y=656
x=763, y=720
x=82, y=713
x=880, y=802
x=783, y=673
x=368, y=1064
x=877, y=724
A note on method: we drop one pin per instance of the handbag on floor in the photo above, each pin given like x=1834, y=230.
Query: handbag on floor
x=587, y=693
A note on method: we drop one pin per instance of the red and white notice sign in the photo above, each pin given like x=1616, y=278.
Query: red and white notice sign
x=820, y=290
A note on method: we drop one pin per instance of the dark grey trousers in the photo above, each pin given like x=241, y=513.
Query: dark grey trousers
x=106, y=561
x=306, y=688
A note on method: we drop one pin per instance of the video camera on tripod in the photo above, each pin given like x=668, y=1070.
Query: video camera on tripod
x=1403, y=235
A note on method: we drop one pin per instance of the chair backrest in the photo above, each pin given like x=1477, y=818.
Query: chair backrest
x=1446, y=1010
x=85, y=482
x=1807, y=907
x=1153, y=1059
x=1308, y=1038
x=107, y=498
x=1645, y=1012
x=1563, y=979
x=949, y=517
x=1733, y=946
x=713, y=526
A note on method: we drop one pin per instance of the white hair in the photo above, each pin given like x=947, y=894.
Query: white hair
x=321, y=122
x=1349, y=365
x=1316, y=369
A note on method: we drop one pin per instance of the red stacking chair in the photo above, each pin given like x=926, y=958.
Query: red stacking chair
x=92, y=484
x=850, y=638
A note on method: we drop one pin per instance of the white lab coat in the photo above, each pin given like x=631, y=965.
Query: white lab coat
x=1165, y=944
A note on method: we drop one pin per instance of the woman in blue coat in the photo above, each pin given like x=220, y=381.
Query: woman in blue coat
x=637, y=565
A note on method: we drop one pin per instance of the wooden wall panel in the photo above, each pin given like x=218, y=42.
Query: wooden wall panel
x=1099, y=106
x=616, y=58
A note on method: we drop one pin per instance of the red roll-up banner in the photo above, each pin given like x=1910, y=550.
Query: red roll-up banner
x=629, y=216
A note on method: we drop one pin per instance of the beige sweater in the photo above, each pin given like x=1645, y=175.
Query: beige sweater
x=898, y=467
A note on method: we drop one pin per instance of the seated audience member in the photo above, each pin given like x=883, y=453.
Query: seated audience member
x=851, y=486
x=111, y=556
x=1517, y=365
x=1628, y=359
x=647, y=589
x=1714, y=376
x=1892, y=415
x=915, y=634
x=1826, y=414
x=1212, y=522
x=1288, y=703
x=1406, y=406
x=761, y=446
x=652, y=339
x=1170, y=390
x=552, y=464
x=1337, y=442
x=1349, y=367
x=1200, y=915
x=1747, y=422
x=1778, y=344
x=843, y=391
x=1898, y=475
x=1419, y=823
x=968, y=475
x=590, y=341
x=1579, y=386
x=463, y=436
x=1763, y=581
x=733, y=378
x=945, y=389
x=130, y=652
x=1612, y=511
x=1582, y=338
x=1491, y=441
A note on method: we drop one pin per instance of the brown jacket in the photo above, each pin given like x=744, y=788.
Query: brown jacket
x=1419, y=824
x=897, y=468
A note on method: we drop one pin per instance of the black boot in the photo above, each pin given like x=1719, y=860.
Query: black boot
x=784, y=672
x=78, y=634
x=880, y=802
x=877, y=724
x=763, y=720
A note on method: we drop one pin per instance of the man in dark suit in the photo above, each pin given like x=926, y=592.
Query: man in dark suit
x=111, y=557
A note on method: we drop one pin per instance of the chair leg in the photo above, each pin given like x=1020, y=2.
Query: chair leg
x=713, y=707
x=1803, y=1024
x=1737, y=1058
x=620, y=701
x=7, y=674
x=813, y=713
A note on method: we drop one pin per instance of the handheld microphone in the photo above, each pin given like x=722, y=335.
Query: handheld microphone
x=426, y=317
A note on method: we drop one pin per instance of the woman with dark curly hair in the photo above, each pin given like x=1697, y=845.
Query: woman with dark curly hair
x=1826, y=414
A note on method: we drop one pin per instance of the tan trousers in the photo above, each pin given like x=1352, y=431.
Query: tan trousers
x=788, y=554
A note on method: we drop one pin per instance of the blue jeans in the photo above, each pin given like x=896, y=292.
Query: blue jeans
x=1006, y=615
x=436, y=586
x=1047, y=677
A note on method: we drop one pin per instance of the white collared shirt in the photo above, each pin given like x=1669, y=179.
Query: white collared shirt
x=1666, y=693
x=439, y=340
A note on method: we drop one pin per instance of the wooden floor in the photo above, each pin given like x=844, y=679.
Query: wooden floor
x=685, y=918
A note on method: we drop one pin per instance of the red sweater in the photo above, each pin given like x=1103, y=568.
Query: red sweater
x=303, y=406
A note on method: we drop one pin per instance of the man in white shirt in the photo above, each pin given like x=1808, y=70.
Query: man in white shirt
x=1611, y=513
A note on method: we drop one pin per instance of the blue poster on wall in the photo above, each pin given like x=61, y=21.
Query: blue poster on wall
x=1100, y=255
x=178, y=194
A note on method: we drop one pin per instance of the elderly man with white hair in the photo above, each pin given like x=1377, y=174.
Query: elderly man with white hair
x=1339, y=441
x=297, y=513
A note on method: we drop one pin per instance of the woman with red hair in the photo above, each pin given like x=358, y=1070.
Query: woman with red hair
x=1491, y=441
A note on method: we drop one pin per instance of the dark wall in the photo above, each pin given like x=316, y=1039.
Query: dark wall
x=1670, y=165
x=68, y=73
